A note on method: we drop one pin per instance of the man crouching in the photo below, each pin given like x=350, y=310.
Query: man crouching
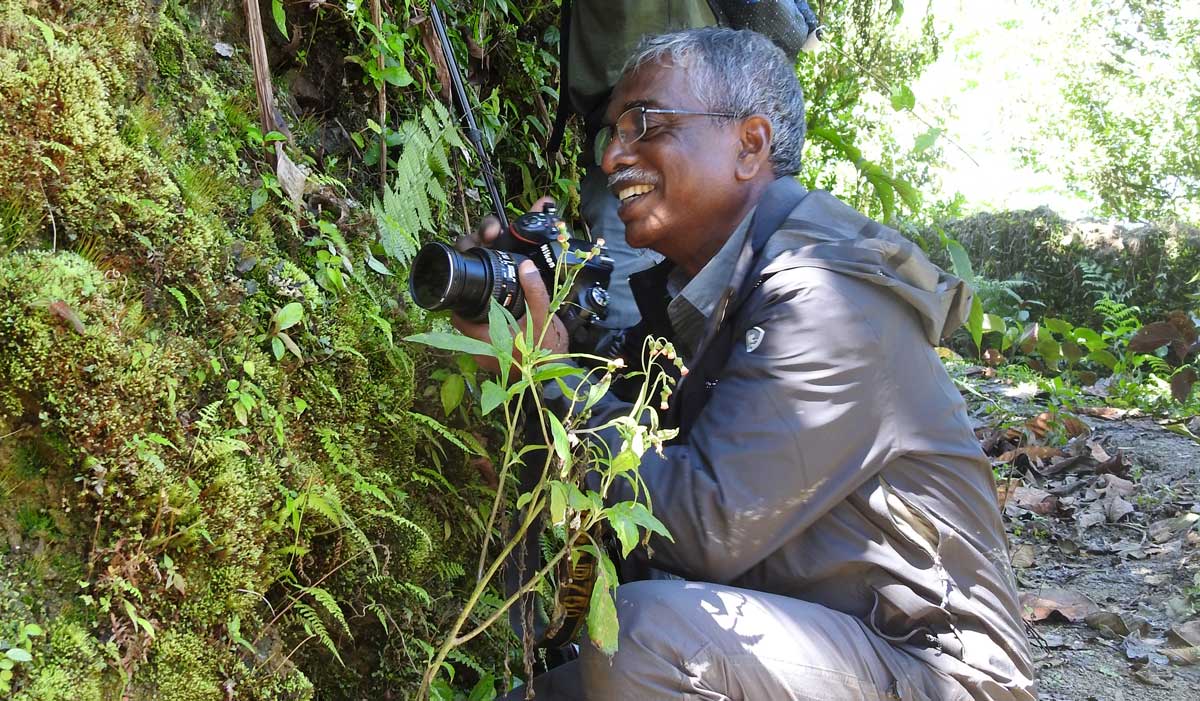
x=835, y=522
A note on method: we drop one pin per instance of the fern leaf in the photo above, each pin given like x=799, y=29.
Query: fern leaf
x=311, y=620
x=326, y=600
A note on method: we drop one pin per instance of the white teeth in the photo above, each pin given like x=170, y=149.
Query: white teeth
x=633, y=191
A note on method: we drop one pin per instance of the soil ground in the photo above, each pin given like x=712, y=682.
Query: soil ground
x=1105, y=543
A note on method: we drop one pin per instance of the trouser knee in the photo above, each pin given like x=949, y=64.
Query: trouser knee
x=655, y=638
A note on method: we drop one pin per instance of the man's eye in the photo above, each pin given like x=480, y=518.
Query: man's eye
x=653, y=130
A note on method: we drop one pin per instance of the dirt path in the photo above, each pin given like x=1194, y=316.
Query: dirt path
x=1103, y=519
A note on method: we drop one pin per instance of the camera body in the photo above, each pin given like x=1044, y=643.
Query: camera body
x=443, y=278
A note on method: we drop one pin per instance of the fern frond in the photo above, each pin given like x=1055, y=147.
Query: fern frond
x=445, y=433
x=457, y=655
x=330, y=604
x=311, y=620
x=405, y=523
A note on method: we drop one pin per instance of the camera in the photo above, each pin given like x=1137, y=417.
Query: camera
x=443, y=278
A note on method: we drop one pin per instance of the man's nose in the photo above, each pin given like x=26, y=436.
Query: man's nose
x=618, y=155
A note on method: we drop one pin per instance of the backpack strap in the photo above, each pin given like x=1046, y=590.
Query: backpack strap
x=693, y=391
x=564, y=100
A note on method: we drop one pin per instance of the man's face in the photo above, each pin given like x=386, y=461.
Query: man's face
x=686, y=162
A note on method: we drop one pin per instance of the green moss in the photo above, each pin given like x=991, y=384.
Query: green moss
x=167, y=467
x=183, y=667
x=72, y=669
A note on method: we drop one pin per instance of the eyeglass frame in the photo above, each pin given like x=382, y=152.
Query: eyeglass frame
x=604, y=137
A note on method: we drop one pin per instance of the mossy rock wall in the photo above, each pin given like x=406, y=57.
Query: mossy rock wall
x=1068, y=265
x=184, y=514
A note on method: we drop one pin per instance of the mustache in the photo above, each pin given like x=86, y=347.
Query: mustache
x=631, y=175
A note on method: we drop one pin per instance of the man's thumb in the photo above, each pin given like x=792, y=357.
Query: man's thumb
x=536, y=295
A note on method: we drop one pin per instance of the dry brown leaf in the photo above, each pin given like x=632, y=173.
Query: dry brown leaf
x=1065, y=603
x=1115, y=465
x=1183, y=655
x=1039, y=501
x=1181, y=384
x=1116, y=508
x=1098, y=451
x=1185, y=634
x=1039, y=453
x=1046, y=422
x=1024, y=556
x=1115, y=625
x=1106, y=412
x=433, y=49
x=1151, y=337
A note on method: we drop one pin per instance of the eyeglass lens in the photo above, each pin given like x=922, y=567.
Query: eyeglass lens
x=630, y=127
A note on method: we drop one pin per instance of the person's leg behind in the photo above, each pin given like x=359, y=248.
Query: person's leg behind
x=688, y=640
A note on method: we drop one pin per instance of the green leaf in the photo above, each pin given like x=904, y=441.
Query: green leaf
x=993, y=323
x=453, y=342
x=1103, y=357
x=493, y=396
x=642, y=517
x=903, y=98
x=257, y=199
x=1049, y=349
x=558, y=502
x=1071, y=352
x=180, y=299
x=1059, y=327
x=280, y=17
x=452, y=393
x=927, y=140
x=561, y=445
x=290, y=344
x=625, y=461
x=1088, y=338
x=960, y=261
x=596, y=391
x=500, y=333
x=46, y=29
x=377, y=265
x=289, y=316
x=975, y=323
x=550, y=371
x=396, y=75
x=484, y=690
x=602, y=616
x=277, y=347
x=626, y=530
x=33, y=630
x=16, y=654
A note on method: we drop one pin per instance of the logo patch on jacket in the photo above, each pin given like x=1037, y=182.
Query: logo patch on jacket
x=754, y=337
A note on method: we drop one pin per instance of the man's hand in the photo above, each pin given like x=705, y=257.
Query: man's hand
x=489, y=229
x=537, y=298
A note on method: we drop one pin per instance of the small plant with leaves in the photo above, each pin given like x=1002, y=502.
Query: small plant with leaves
x=17, y=652
x=571, y=451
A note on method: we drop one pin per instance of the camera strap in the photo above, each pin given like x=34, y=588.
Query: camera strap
x=693, y=391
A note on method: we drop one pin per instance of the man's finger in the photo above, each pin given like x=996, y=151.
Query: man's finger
x=484, y=235
x=536, y=295
x=540, y=205
x=488, y=230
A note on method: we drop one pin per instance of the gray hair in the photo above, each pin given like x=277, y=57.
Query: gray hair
x=739, y=72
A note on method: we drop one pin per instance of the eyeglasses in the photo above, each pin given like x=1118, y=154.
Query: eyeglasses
x=631, y=126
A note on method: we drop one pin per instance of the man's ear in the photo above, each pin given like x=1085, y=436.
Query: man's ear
x=755, y=144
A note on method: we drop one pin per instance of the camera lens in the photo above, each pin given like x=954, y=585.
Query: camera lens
x=443, y=278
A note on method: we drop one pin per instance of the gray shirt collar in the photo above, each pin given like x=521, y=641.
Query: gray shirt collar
x=694, y=300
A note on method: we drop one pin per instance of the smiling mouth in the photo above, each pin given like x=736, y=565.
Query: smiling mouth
x=631, y=193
